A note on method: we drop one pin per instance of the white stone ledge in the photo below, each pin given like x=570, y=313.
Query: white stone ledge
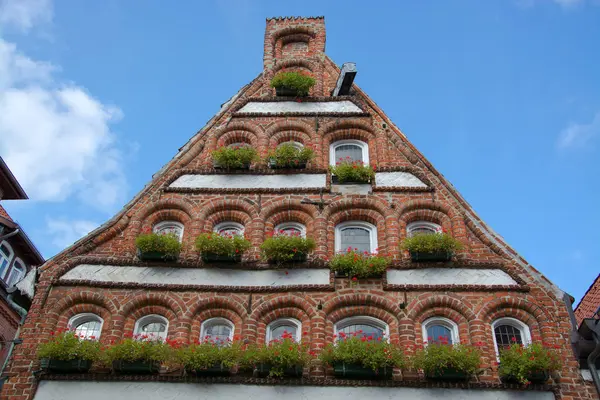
x=275, y=107
x=397, y=179
x=198, y=277
x=135, y=390
x=449, y=276
x=289, y=181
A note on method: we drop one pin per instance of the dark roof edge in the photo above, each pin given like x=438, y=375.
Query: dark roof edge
x=587, y=291
x=13, y=182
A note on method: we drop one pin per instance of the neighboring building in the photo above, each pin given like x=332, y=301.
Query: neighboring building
x=18, y=260
x=487, y=294
x=589, y=306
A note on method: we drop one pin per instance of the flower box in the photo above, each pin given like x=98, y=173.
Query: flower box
x=243, y=167
x=155, y=256
x=428, y=256
x=357, y=371
x=448, y=374
x=290, y=372
x=273, y=165
x=215, y=370
x=66, y=366
x=298, y=257
x=213, y=257
x=284, y=91
x=538, y=377
x=336, y=180
x=136, y=367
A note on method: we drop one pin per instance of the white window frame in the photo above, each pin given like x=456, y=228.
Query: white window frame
x=296, y=225
x=12, y=278
x=362, y=320
x=239, y=144
x=355, y=224
x=297, y=145
x=149, y=319
x=82, y=318
x=223, y=225
x=169, y=224
x=6, y=257
x=216, y=321
x=522, y=327
x=448, y=323
x=284, y=321
x=422, y=224
x=363, y=145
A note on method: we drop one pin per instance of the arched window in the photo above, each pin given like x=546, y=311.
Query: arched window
x=154, y=326
x=440, y=331
x=362, y=326
x=17, y=272
x=291, y=229
x=87, y=325
x=229, y=228
x=166, y=227
x=509, y=331
x=297, y=145
x=219, y=330
x=358, y=235
x=277, y=328
x=6, y=255
x=238, y=144
x=348, y=150
x=422, y=227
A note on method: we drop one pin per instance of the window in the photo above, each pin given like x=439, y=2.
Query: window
x=17, y=272
x=422, y=227
x=87, y=325
x=238, y=145
x=291, y=229
x=362, y=326
x=297, y=145
x=348, y=150
x=6, y=255
x=358, y=235
x=155, y=326
x=276, y=329
x=229, y=228
x=218, y=330
x=440, y=331
x=508, y=331
x=169, y=227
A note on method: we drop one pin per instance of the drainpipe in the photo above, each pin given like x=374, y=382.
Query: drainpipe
x=8, y=235
x=591, y=360
x=23, y=313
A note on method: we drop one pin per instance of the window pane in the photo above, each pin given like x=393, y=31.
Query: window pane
x=218, y=333
x=15, y=275
x=5, y=256
x=421, y=230
x=166, y=229
x=88, y=329
x=290, y=231
x=365, y=330
x=359, y=238
x=348, y=150
x=230, y=230
x=439, y=334
x=154, y=328
x=505, y=334
x=276, y=333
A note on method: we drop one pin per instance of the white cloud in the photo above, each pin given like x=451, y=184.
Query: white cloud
x=55, y=136
x=579, y=135
x=24, y=14
x=65, y=232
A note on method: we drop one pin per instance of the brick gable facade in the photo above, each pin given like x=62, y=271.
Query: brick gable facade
x=299, y=44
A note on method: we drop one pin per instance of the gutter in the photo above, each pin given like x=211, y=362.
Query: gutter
x=23, y=313
x=9, y=235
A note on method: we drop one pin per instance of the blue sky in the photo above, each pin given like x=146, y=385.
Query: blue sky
x=503, y=97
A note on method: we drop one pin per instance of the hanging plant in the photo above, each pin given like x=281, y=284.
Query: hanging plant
x=287, y=155
x=234, y=157
x=221, y=247
x=283, y=247
x=526, y=364
x=431, y=246
x=358, y=264
x=293, y=83
x=348, y=171
x=447, y=361
x=158, y=246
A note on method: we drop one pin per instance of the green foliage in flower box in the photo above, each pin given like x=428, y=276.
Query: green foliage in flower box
x=436, y=358
x=67, y=345
x=298, y=82
x=224, y=245
x=280, y=354
x=520, y=362
x=234, y=157
x=359, y=264
x=431, y=243
x=346, y=170
x=167, y=244
x=209, y=354
x=139, y=348
x=289, y=156
x=282, y=247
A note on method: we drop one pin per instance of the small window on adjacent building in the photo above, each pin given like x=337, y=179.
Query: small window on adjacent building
x=17, y=272
x=422, y=228
x=291, y=229
x=348, y=150
x=87, y=325
x=358, y=235
x=229, y=228
x=440, y=331
x=166, y=227
x=278, y=328
x=6, y=255
x=362, y=326
x=509, y=331
x=154, y=326
x=218, y=330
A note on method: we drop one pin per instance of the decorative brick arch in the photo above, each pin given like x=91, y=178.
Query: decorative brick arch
x=219, y=210
x=291, y=31
x=312, y=65
x=348, y=298
x=246, y=132
x=169, y=307
x=420, y=305
x=212, y=307
x=289, y=210
x=356, y=130
x=438, y=212
x=179, y=203
x=81, y=302
x=297, y=131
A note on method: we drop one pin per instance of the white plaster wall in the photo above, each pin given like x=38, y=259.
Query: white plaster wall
x=73, y=390
x=200, y=277
x=398, y=179
x=250, y=181
x=449, y=276
x=300, y=107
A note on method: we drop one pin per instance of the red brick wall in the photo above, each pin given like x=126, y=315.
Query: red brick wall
x=4, y=213
x=473, y=309
x=590, y=302
x=9, y=321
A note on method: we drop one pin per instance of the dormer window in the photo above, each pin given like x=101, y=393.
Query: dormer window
x=229, y=228
x=169, y=227
x=17, y=272
x=348, y=151
x=422, y=228
x=6, y=256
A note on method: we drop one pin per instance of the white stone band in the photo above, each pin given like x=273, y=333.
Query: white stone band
x=275, y=107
